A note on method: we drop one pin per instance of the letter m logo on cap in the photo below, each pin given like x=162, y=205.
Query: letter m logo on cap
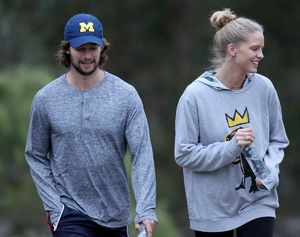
x=86, y=27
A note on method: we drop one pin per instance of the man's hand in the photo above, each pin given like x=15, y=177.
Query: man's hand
x=150, y=226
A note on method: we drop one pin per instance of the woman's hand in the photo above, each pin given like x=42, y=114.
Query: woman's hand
x=244, y=137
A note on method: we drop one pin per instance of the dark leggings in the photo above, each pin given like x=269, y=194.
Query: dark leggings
x=261, y=227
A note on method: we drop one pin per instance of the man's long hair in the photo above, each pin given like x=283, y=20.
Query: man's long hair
x=63, y=53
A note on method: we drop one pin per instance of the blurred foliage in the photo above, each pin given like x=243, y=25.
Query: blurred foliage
x=159, y=47
x=19, y=204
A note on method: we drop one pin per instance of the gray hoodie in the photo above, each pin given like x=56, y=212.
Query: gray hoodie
x=220, y=189
x=76, y=147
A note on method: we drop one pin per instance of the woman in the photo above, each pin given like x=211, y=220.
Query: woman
x=226, y=109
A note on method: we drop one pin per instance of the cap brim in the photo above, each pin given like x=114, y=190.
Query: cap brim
x=79, y=41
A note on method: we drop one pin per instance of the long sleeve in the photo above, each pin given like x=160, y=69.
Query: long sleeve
x=189, y=151
x=277, y=142
x=36, y=153
x=143, y=171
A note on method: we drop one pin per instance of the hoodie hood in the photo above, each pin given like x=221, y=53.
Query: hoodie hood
x=209, y=78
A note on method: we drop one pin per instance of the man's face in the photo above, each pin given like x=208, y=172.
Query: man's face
x=85, y=59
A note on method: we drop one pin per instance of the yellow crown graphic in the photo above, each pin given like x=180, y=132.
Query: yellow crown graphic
x=237, y=119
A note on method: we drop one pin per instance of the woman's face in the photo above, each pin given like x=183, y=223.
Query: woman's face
x=249, y=53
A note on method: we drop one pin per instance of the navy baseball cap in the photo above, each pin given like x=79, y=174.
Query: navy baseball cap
x=82, y=29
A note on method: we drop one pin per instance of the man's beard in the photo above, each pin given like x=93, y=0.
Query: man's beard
x=84, y=73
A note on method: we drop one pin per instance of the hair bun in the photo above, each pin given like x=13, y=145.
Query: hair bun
x=221, y=18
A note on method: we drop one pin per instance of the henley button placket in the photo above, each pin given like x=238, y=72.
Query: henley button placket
x=85, y=110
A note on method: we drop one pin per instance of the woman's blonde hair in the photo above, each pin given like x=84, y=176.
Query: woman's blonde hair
x=230, y=30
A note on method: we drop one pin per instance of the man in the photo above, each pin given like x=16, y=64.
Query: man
x=80, y=126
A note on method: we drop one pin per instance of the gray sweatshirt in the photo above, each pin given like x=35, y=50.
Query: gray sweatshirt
x=221, y=193
x=76, y=146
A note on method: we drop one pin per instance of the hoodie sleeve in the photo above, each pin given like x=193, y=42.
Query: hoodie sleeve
x=36, y=154
x=189, y=151
x=277, y=142
x=143, y=171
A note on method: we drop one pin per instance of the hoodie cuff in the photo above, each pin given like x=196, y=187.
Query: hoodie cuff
x=233, y=149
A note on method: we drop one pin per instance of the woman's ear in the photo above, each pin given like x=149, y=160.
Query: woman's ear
x=231, y=49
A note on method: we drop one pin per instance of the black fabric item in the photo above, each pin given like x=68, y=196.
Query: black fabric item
x=260, y=227
x=75, y=224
